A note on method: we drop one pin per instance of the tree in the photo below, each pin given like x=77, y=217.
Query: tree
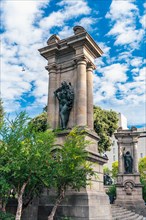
x=105, y=124
x=142, y=170
x=114, y=169
x=24, y=152
x=31, y=159
x=106, y=170
x=70, y=168
x=1, y=112
x=39, y=123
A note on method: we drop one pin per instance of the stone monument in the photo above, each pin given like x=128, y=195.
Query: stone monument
x=128, y=187
x=70, y=103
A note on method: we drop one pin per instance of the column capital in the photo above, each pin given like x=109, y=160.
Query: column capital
x=91, y=66
x=81, y=60
x=51, y=68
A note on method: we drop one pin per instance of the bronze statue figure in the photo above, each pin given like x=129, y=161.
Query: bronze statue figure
x=65, y=96
x=107, y=179
x=128, y=162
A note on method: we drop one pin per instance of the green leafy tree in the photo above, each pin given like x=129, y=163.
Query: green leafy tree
x=1, y=112
x=39, y=123
x=114, y=169
x=142, y=170
x=69, y=169
x=24, y=152
x=106, y=170
x=30, y=159
x=105, y=124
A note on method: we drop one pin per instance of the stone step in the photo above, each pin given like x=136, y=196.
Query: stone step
x=120, y=213
x=125, y=217
x=140, y=218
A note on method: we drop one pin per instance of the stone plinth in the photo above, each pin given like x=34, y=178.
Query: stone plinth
x=91, y=203
x=128, y=187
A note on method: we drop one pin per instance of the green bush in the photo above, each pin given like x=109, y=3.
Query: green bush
x=143, y=182
x=112, y=190
x=6, y=216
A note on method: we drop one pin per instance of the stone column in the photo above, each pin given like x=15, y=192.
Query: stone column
x=90, y=96
x=81, y=94
x=51, y=97
x=135, y=157
x=120, y=157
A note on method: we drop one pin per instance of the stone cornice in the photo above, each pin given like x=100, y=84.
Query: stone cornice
x=80, y=39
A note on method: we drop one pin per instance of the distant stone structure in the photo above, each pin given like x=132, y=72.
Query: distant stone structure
x=70, y=66
x=128, y=186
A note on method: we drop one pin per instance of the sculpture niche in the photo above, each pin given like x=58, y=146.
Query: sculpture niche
x=128, y=162
x=65, y=96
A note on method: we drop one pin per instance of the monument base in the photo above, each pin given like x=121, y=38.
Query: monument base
x=91, y=203
x=129, y=193
x=79, y=206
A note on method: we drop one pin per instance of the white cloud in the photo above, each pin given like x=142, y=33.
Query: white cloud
x=72, y=9
x=124, y=14
x=114, y=73
x=86, y=22
x=118, y=9
x=137, y=61
x=141, y=76
x=65, y=32
x=25, y=30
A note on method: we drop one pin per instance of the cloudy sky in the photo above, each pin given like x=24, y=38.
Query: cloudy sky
x=116, y=25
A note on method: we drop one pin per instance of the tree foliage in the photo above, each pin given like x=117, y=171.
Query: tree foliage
x=39, y=123
x=105, y=124
x=23, y=153
x=70, y=167
x=30, y=161
x=114, y=169
x=1, y=112
x=142, y=170
x=106, y=170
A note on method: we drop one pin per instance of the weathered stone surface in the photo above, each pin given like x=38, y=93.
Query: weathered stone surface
x=128, y=187
x=72, y=60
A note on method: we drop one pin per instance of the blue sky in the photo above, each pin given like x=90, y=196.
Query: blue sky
x=116, y=25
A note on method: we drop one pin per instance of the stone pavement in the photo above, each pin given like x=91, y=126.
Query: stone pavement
x=119, y=213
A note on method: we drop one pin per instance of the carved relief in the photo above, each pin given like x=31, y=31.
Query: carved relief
x=128, y=187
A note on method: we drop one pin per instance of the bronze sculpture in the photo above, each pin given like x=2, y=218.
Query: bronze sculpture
x=65, y=96
x=128, y=162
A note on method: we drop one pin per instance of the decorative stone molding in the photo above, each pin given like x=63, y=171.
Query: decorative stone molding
x=128, y=187
x=52, y=67
x=53, y=39
x=78, y=30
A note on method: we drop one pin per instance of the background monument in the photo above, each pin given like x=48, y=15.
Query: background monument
x=128, y=187
x=70, y=65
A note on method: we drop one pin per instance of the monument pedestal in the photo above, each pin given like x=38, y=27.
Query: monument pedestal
x=91, y=203
x=128, y=187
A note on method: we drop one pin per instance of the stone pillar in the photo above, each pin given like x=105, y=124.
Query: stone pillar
x=51, y=97
x=81, y=92
x=120, y=157
x=90, y=96
x=135, y=158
